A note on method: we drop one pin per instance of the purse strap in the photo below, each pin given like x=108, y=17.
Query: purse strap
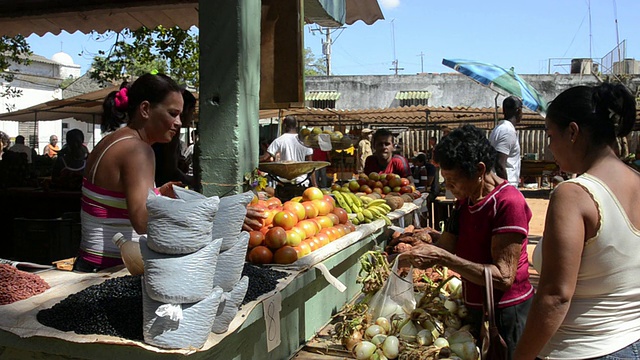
x=489, y=307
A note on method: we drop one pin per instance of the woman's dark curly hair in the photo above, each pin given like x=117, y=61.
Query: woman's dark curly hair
x=463, y=149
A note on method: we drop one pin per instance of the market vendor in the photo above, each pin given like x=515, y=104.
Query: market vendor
x=383, y=160
x=287, y=147
x=489, y=226
x=120, y=170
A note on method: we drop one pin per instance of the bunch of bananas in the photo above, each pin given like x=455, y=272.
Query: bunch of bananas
x=365, y=208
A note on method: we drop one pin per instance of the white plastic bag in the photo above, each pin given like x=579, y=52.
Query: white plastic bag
x=229, y=306
x=228, y=221
x=395, y=297
x=230, y=263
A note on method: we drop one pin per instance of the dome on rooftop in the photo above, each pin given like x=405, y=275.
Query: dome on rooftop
x=62, y=58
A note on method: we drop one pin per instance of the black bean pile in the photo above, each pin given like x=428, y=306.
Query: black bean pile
x=261, y=280
x=111, y=308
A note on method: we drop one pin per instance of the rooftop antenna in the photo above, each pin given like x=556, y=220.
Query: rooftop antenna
x=394, y=63
x=615, y=16
x=421, y=61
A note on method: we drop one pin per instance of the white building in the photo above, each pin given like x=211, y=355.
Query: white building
x=41, y=81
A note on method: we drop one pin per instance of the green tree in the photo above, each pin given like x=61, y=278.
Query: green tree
x=313, y=66
x=172, y=51
x=13, y=50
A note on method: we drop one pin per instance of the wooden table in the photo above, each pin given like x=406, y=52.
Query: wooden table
x=538, y=169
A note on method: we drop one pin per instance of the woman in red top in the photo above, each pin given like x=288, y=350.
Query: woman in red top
x=489, y=226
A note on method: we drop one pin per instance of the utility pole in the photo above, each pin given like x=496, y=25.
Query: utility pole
x=394, y=63
x=395, y=67
x=326, y=50
x=421, y=61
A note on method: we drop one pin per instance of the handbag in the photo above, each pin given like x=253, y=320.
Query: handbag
x=493, y=345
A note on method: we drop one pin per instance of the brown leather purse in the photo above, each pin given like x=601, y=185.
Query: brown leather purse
x=493, y=346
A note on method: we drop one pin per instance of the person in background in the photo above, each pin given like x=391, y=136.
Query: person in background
x=188, y=152
x=433, y=141
x=504, y=139
x=383, y=160
x=20, y=147
x=5, y=141
x=587, y=303
x=288, y=148
x=70, y=162
x=423, y=173
x=488, y=226
x=120, y=170
x=321, y=175
x=364, y=149
x=52, y=148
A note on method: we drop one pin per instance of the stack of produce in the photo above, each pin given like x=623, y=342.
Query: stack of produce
x=16, y=285
x=365, y=208
x=297, y=227
x=382, y=184
x=404, y=241
x=182, y=293
x=435, y=329
x=309, y=137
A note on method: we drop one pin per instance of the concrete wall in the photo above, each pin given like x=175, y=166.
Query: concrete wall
x=450, y=89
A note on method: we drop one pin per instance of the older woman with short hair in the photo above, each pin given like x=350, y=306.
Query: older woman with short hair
x=489, y=226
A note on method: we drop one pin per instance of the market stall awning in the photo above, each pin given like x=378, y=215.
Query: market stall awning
x=39, y=17
x=322, y=95
x=335, y=13
x=413, y=95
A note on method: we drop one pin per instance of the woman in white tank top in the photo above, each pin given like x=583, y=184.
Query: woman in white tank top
x=587, y=303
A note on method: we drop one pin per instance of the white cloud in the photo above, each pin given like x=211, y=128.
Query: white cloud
x=390, y=4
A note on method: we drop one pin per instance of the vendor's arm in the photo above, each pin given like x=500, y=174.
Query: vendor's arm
x=137, y=174
x=267, y=157
x=564, y=237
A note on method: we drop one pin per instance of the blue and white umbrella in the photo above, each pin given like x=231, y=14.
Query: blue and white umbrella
x=498, y=78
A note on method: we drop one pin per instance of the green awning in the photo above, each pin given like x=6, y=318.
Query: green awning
x=413, y=95
x=322, y=95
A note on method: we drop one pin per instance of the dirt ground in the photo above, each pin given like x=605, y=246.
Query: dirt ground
x=539, y=210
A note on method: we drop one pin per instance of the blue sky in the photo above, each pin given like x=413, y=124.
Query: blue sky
x=522, y=34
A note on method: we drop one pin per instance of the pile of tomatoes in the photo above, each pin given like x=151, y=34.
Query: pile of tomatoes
x=297, y=227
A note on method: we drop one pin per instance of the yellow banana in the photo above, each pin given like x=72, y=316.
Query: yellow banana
x=341, y=201
x=376, y=211
x=366, y=200
x=356, y=199
x=368, y=214
x=386, y=207
x=360, y=217
x=377, y=202
x=387, y=221
x=355, y=221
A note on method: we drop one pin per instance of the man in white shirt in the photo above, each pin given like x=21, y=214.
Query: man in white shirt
x=504, y=139
x=290, y=148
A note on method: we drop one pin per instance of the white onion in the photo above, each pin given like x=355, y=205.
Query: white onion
x=373, y=330
x=390, y=308
x=364, y=350
x=424, y=337
x=460, y=337
x=408, y=332
x=384, y=323
x=441, y=342
x=451, y=306
x=378, y=355
x=455, y=287
x=378, y=339
x=391, y=347
x=466, y=350
x=435, y=332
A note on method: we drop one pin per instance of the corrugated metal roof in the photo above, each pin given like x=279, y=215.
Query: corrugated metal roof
x=413, y=95
x=44, y=16
x=322, y=95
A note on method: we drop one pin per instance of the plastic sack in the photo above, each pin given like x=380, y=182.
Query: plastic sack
x=228, y=222
x=395, y=297
x=229, y=305
x=180, y=226
x=231, y=263
x=192, y=331
x=177, y=279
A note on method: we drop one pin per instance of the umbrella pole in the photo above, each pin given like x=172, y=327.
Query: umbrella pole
x=495, y=117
